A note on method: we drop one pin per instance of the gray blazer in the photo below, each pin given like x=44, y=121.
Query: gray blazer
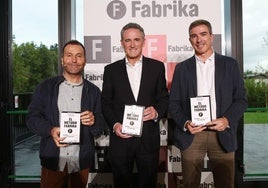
x=230, y=93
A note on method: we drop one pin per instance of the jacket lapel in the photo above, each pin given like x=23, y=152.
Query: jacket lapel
x=192, y=71
x=219, y=72
x=144, y=74
x=126, y=82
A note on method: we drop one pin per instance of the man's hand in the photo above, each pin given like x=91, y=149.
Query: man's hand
x=118, y=131
x=194, y=129
x=87, y=118
x=149, y=114
x=55, y=133
x=219, y=124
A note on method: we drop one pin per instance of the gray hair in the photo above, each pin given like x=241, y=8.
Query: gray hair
x=132, y=26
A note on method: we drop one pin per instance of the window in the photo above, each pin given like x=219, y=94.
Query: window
x=35, y=57
x=255, y=32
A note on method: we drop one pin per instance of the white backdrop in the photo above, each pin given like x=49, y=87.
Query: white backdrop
x=166, y=25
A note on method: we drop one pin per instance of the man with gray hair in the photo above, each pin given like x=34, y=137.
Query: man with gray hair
x=140, y=81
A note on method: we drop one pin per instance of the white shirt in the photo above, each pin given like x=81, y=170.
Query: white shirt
x=134, y=76
x=205, y=72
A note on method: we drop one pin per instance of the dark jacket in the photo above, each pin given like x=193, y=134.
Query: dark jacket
x=43, y=115
x=116, y=93
x=230, y=94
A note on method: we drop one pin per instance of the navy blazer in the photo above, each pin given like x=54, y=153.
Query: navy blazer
x=230, y=94
x=43, y=115
x=116, y=93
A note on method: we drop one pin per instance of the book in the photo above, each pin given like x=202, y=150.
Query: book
x=133, y=120
x=70, y=127
x=200, y=110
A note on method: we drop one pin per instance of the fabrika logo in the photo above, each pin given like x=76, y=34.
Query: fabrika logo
x=116, y=9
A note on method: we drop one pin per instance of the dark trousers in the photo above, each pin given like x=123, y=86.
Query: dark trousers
x=57, y=179
x=133, y=152
x=222, y=163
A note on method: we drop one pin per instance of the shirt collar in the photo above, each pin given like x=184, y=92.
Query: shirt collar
x=74, y=84
x=137, y=63
x=209, y=59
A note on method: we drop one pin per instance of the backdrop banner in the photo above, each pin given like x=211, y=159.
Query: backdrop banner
x=165, y=23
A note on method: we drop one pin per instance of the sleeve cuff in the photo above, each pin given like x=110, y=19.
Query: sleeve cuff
x=114, y=126
x=184, y=126
x=156, y=118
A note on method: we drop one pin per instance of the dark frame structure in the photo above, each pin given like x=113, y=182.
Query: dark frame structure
x=234, y=48
x=5, y=88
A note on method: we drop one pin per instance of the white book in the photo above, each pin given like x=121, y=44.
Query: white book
x=70, y=127
x=133, y=120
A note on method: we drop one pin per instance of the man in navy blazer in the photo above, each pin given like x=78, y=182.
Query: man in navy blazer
x=134, y=80
x=207, y=73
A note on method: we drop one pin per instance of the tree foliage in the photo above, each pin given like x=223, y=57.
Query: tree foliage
x=256, y=93
x=257, y=87
x=32, y=64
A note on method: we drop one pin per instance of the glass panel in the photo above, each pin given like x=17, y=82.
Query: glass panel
x=35, y=57
x=255, y=30
x=79, y=27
